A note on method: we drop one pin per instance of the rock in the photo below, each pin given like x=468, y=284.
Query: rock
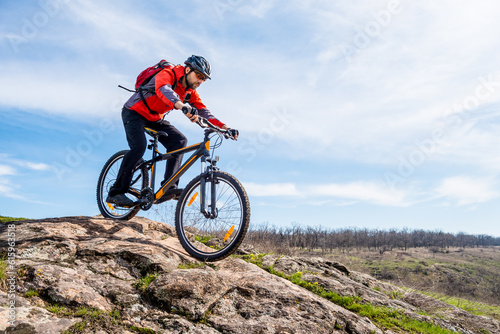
x=189, y=292
x=130, y=270
x=336, y=277
x=31, y=319
x=261, y=299
x=458, y=319
x=242, y=298
x=67, y=286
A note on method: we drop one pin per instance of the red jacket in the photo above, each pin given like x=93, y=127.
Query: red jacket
x=164, y=98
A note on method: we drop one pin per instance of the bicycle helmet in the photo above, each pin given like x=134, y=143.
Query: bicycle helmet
x=199, y=64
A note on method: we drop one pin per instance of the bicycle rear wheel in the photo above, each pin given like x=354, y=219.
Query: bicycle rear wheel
x=210, y=239
x=107, y=179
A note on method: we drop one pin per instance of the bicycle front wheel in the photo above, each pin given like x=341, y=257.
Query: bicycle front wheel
x=107, y=179
x=212, y=239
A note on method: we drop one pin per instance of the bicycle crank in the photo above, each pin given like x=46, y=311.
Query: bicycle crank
x=147, y=199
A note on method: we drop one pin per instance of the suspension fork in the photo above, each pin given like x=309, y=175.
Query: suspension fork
x=207, y=177
x=213, y=199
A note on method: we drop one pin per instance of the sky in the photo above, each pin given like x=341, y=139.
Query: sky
x=352, y=114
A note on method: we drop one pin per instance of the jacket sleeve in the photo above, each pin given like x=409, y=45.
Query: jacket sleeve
x=163, y=88
x=196, y=102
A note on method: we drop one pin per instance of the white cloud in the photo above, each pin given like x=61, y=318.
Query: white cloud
x=397, y=88
x=38, y=166
x=472, y=142
x=8, y=190
x=141, y=36
x=458, y=191
x=272, y=189
x=393, y=92
x=464, y=190
x=256, y=8
x=35, y=165
x=367, y=192
x=86, y=84
x=7, y=170
x=338, y=194
x=8, y=187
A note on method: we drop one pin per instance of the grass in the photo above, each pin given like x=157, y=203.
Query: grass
x=59, y=310
x=254, y=258
x=31, y=293
x=3, y=272
x=191, y=265
x=204, y=239
x=142, y=330
x=4, y=219
x=91, y=318
x=472, y=307
x=94, y=319
x=470, y=274
x=3, y=268
x=143, y=283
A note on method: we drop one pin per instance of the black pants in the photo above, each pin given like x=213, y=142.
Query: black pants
x=134, y=128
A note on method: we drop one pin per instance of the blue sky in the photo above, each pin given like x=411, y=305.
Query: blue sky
x=376, y=114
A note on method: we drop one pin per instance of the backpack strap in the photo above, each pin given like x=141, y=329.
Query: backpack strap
x=175, y=80
x=144, y=100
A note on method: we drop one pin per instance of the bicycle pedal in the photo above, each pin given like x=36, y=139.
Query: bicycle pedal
x=125, y=206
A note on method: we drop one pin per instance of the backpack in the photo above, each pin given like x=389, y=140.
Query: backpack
x=145, y=76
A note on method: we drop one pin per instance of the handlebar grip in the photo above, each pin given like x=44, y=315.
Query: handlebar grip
x=189, y=109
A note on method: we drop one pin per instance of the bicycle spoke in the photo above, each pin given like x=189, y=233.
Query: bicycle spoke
x=106, y=181
x=212, y=236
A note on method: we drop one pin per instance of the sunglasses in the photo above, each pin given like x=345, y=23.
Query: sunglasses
x=200, y=76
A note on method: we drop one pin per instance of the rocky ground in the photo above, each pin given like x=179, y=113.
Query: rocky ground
x=95, y=275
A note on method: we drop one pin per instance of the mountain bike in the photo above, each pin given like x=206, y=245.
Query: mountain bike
x=212, y=214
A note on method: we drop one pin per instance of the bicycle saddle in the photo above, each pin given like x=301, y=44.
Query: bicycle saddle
x=154, y=133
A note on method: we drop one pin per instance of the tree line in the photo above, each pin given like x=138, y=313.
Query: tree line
x=344, y=239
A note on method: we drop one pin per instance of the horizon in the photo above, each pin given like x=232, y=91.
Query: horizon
x=378, y=115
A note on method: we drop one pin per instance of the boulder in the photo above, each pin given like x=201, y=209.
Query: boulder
x=114, y=276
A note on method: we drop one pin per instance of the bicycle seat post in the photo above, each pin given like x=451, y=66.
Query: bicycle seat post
x=154, y=141
x=154, y=147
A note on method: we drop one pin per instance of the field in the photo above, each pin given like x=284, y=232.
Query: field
x=460, y=269
x=467, y=278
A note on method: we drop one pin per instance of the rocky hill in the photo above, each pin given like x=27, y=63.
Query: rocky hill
x=95, y=275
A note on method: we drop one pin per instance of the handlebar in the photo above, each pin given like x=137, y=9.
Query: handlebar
x=204, y=123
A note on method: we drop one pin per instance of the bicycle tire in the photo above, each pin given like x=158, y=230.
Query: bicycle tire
x=107, y=179
x=209, y=239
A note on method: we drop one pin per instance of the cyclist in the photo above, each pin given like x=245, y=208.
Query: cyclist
x=171, y=88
